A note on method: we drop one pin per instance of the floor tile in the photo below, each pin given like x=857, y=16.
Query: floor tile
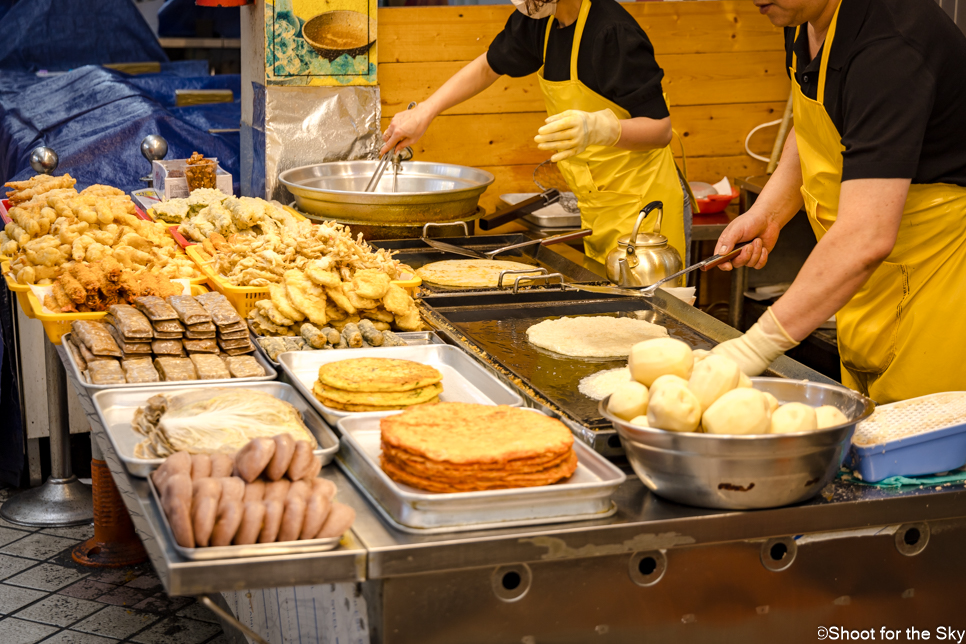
x=17, y=631
x=59, y=610
x=221, y=639
x=13, y=598
x=73, y=637
x=10, y=566
x=8, y=535
x=6, y=524
x=177, y=629
x=77, y=532
x=87, y=589
x=116, y=576
x=114, y=621
x=198, y=611
x=38, y=546
x=46, y=577
x=161, y=603
x=145, y=582
x=124, y=596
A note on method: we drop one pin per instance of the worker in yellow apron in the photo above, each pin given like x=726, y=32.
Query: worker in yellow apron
x=890, y=262
x=613, y=161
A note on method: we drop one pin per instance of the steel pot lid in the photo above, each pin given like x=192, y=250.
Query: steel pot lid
x=644, y=240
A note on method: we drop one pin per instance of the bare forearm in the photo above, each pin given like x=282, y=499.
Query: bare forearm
x=642, y=133
x=463, y=85
x=781, y=198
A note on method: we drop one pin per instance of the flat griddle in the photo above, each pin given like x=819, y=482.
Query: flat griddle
x=415, y=253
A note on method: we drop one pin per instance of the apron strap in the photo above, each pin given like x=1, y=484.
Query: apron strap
x=581, y=21
x=546, y=38
x=826, y=49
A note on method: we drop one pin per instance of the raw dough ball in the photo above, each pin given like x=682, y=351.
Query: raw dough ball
x=713, y=377
x=792, y=418
x=699, y=355
x=740, y=411
x=670, y=377
x=744, y=381
x=772, y=402
x=829, y=416
x=640, y=421
x=673, y=407
x=653, y=358
x=628, y=400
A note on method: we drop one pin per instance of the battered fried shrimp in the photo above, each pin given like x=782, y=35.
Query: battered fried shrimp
x=111, y=268
x=128, y=286
x=71, y=288
x=41, y=184
x=100, y=190
x=63, y=302
x=88, y=278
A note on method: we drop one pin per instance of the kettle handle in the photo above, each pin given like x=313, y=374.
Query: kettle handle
x=645, y=211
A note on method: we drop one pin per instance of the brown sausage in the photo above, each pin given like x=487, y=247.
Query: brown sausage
x=221, y=465
x=200, y=466
x=339, y=520
x=301, y=461
x=273, y=522
x=232, y=488
x=230, y=514
x=277, y=490
x=292, y=519
x=203, y=516
x=300, y=489
x=284, y=450
x=314, y=468
x=254, y=491
x=177, y=486
x=254, y=457
x=315, y=515
x=177, y=463
x=253, y=517
x=180, y=520
x=326, y=486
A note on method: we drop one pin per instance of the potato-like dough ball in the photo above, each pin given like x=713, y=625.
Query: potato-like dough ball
x=793, y=418
x=640, y=421
x=699, y=355
x=744, y=381
x=773, y=403
x=740, y=411
x=669, y=377
x=829, y=416
x=651, y=359
x=628, y=400
x=672, y=406
x=713, y=377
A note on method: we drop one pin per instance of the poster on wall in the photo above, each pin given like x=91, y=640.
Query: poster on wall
x=320, y=42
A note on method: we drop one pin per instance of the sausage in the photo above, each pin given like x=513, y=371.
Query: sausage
x=179, y=518
x=200, y=466
x=301, y=461
x=292, y=519
x=339, y=520
x=314, y=468
x=230, y=514
x=284, y=450
x=254, y=491
x=327, y=487
x=254, y=457
x=203, y=516
x=232, y=488
x=300, y=489
x=177, y=463
x=221, y=465
x=315, y=514
x=253, y=517
x=177, y=486
x=273, y=521
x=277, y=490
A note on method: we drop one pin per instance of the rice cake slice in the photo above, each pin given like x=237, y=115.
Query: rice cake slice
x=132, y=324
x=200, y=346
x=188, y=309
x=140, y=370
x=155, y=308
x=244, y=367
x=240, y=350
x=200, y=335
x=221, y=311
x=106, y=372
x=167, y=347
x=95, y=337
x=168, y=326
x=172, y=369
x=209, y=366
x=125, y=346
x=378, y=375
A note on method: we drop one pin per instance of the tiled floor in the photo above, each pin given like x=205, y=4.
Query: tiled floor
x=46, y=597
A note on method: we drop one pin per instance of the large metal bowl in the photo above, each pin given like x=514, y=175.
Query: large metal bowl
x=746, y=472
x=424, y=191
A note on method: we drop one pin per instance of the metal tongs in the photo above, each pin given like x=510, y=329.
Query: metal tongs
x=384, y=161
x=469, y=252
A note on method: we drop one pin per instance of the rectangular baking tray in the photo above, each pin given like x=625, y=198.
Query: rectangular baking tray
x=412, y=338
x=270, y=374
x=584, y=496
x=116, y=407
x=464, y=379
x=237, y=552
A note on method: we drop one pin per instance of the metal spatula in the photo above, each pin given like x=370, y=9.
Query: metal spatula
x=468, y=252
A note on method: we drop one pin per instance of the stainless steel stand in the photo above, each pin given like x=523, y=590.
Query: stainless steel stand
x=62, y=500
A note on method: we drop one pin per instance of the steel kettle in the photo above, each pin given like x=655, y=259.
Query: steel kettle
x=646, y=259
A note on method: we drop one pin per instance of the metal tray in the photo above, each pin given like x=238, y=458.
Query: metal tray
x=464, y=379
x=552, y=216
x=412, y=338
x=584, y=496
x=235, y=552
x=270, y=374
x=116, y=408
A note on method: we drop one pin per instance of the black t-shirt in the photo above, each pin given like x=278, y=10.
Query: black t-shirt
x=616, y=58
x=895, y=90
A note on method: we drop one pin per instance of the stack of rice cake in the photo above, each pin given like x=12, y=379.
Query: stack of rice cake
x=465, y=447
x=377, y=384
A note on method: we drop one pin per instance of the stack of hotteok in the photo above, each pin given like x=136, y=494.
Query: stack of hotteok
x=377, y=384
x=463, y=447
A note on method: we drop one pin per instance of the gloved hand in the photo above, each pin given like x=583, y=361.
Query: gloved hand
x=756, y=349
x=571, y=131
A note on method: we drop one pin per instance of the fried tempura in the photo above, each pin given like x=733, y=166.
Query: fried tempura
x=71, y=288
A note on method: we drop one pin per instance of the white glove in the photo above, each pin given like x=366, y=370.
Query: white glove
x=759, y=346
x=571, y=131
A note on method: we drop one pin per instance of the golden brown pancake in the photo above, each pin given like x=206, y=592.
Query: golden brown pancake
x=378, y=375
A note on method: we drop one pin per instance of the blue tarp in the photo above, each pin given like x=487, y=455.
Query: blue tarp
x=179, y=19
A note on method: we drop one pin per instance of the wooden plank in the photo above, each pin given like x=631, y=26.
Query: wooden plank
x=690, y=79
x=720, y=130
x=462, y=33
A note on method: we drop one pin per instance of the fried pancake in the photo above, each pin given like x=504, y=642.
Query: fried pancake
x=433, y=469
x=334, y=404
x=378, y=375
x=465, y=273
x=466, y=433
x=405, y=398
x=544, y=477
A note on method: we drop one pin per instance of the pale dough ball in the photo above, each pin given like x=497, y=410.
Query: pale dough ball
x=713, y=377
x=793, y=418
x=744, y=381
x=672, y=406
x=740, y=411
x=773, y=403
x=699, y=355
x=628, y=400
x=640, y=421
x=670, y=377
x=651, y=359
x=829, y=416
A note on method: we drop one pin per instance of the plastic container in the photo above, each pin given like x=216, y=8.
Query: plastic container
x=20, y=290
x=713, y=204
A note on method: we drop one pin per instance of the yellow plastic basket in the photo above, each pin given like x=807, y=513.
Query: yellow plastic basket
x=57, y=324
x=20, y=290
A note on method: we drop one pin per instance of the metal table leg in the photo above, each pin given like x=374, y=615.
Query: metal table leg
x=211, y=605
x=62, y=500
x=739, y=283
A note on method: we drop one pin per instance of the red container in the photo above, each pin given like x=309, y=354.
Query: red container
x=716, y=203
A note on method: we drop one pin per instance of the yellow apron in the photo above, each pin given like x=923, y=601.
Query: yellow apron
x=612, y=185
x=901, y=335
